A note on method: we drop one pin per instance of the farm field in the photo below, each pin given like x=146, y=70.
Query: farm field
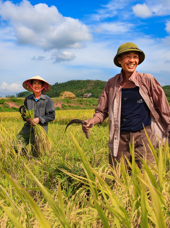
x=73, y=186
x=13, y=104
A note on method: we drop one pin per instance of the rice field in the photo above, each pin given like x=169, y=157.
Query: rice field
x=72, y=184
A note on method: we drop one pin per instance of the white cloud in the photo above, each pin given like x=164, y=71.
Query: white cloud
x=94, y=61
x=7, y=33
x=39, y=58
x=159, y=7
x=60, y=56
x=114, y=28
x=152, y=8
x=142, y=10
x=110, y=10
x=167, y=26
x=123, y=9
x=43, y=26
x=12, y=88
x=157, y=53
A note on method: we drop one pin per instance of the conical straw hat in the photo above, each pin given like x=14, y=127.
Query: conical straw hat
x=26, y=84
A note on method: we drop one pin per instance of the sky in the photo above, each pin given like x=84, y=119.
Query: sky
x=65, y=40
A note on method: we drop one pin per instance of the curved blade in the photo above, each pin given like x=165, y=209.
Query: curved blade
x=74, y=121
x=77, y=121
x=21, y=109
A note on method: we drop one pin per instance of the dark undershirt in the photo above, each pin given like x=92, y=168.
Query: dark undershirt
x=134, y=111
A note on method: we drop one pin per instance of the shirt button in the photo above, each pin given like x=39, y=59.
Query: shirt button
x=124, y=119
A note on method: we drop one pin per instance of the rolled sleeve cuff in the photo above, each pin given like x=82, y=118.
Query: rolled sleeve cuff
x=100, y=116
x=42, y=120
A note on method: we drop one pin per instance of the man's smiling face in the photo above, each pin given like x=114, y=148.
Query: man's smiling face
x=128, y=61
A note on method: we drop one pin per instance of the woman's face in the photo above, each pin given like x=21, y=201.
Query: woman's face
x=37, y=85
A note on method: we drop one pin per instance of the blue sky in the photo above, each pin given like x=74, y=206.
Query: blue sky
x=66, y=40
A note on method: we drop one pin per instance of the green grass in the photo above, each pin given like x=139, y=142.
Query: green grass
x=2, y=101
x=66, y=104
x=16, y=100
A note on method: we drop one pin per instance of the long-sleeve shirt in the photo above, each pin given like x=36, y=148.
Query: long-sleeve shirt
x=43, y=109
x=109, y=104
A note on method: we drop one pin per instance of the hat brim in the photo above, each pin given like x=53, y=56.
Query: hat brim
x=45, y=90
x=141, y=56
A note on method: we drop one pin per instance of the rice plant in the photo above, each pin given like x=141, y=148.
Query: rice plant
x=75, y=186
x=43, y=142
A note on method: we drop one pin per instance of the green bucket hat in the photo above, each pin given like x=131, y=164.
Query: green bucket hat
x=126, y=47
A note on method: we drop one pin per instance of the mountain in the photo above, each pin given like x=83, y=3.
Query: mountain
x=167, y=90
x=80, y=87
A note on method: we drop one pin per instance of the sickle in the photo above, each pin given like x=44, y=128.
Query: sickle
x=78, y=121
x=20, y=108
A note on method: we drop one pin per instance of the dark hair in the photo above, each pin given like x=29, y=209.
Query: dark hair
x=31, y=81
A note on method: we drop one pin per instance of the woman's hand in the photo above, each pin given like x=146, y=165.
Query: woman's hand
x=33, y=122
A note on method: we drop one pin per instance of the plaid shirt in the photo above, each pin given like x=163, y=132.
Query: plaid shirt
x=109, y=105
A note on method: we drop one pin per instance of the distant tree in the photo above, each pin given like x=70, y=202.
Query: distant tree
x=167, y=90
x=23, y=94
x=10, y=96
x=78, y=87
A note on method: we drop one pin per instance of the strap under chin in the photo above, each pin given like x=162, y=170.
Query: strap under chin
x=29, y=85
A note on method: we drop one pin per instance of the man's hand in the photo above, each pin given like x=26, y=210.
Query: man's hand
x=90, y=124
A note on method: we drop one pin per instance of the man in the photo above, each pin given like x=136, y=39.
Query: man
x=132, y=101
x=42, y=105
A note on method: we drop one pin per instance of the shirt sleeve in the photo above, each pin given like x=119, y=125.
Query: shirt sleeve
x=102, y=109
x=23, y=114
x=161, y=105
x=49, y=112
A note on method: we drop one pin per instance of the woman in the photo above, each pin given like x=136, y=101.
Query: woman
x=43, y=107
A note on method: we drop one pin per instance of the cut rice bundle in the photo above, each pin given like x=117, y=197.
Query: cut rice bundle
x=42, y=141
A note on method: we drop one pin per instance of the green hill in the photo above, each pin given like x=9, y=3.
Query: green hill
x=167, y=91
x=78, y=87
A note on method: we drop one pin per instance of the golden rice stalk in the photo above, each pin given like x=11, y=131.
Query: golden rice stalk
x=29, y=114
x=42, y=141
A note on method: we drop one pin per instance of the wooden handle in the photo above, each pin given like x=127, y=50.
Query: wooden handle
x=87, y=135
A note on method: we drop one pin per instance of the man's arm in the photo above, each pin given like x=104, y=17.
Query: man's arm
x=101, y=112
x=161, y=105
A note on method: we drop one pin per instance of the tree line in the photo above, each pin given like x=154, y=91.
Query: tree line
x=80, y=87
